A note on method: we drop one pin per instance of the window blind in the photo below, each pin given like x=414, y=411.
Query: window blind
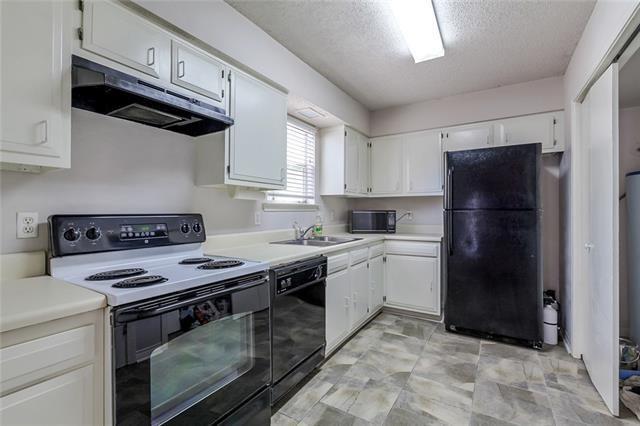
x=301, y=166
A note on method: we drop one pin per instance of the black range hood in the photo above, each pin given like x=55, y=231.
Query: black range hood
x=106, y=91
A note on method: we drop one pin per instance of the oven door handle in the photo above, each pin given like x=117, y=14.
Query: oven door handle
x=133, y=314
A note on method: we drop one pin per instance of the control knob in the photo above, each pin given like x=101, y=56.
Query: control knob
x=185, y=228
x=93, y=233
x=197, y=228
x=71, y=234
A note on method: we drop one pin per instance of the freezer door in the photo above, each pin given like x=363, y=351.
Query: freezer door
x=502, y=178
x=493, y=272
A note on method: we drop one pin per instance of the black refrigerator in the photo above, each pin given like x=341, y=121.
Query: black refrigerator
x=492, y=250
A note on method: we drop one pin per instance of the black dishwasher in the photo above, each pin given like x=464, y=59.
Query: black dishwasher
x=297, y=322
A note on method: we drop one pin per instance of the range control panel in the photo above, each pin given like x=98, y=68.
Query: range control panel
x=80, y=234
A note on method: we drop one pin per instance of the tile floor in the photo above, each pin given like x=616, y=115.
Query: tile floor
x=404, y=371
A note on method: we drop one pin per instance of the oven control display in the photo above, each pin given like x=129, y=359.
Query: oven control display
x=143, y=231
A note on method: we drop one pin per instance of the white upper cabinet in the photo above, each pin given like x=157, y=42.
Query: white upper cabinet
x=112, y=31
x=539, y=128
x=386, y=165
x=467, y=137
x=257, y=141
x=35, y=81
x=423, y=163
x=197, y=71
x=344, y=162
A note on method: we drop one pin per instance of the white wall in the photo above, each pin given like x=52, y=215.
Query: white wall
x=629, y=162
x=123, y=167
x=605, y=25
x=222, y=27
x=507, y=101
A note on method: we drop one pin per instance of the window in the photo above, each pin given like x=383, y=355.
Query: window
x=301, y=166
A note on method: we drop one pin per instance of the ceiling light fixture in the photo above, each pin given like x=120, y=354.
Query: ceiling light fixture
x=417, y=21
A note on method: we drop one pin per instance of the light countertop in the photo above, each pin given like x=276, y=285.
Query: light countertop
x=276, y=254
x=29, y=301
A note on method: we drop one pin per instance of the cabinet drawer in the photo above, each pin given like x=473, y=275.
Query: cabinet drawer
x=359, y=255
x=337, y=263
x=412, y=248
x=34, y=360
x=376, y=250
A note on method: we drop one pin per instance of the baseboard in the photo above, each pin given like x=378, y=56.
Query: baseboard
x=410, y=313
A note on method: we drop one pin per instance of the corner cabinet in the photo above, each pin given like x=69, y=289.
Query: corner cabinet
x=35, y=77
x=344, y=162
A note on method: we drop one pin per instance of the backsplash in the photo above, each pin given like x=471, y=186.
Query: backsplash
x=123, y=167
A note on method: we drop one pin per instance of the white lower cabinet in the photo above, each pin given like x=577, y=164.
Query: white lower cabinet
x=64, y=400
x=359, y=281
x=338, y=305
x=376, y=282
x=413, y=276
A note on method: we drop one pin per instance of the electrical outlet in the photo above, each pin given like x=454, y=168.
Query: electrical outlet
x=257, y=219
x=27, y=225
x=409, y=215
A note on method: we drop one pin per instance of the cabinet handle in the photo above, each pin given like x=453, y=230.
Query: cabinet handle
x=397, y=186
x=506, y=138
x=355, y=299
x=410, y=185
x=151, y=56
x=488, y=142
x=180, y=69
x=346, y=302
x=44, y=124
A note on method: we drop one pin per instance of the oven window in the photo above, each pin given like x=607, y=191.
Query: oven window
x=211, y=349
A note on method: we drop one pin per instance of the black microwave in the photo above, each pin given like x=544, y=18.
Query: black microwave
x=372, y=221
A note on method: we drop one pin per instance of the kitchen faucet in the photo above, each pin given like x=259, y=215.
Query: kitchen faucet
x=299, y=233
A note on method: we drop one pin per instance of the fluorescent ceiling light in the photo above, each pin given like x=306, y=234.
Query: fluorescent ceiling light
x=417, y=21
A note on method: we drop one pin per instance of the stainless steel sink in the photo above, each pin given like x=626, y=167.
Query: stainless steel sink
x=318, y=241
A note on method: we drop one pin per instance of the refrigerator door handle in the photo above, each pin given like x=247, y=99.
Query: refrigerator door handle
x=449, y=219
x=448, y=187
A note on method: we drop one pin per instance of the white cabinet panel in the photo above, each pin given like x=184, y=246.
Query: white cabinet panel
x=363, y=164
x=423, y=163
x=112, y=31
x=338, y=303
x=468, y=137
x=530, y=129
x=352, y=162
x=35, y=77
x=386, y=165
x=376, y=282
x=197, y=71
x=412, y=282
x=258, y=138
x=359, y=280
x=64, y=400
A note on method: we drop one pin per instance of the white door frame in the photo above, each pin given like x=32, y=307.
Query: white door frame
x=578, y=159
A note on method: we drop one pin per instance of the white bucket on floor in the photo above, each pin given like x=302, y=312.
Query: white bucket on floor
x=550, y=318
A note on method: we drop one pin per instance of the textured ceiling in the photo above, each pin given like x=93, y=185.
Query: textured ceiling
x=357, y=45
x=629, y=85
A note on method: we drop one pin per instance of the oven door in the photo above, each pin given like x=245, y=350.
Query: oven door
x=192, y=358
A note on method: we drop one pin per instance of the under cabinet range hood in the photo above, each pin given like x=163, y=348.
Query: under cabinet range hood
x=106, y=91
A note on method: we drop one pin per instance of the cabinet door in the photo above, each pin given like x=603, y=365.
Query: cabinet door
x=197, y=71
x=359, y=279
x=423, y=163
x=35, y=81
x=112, y=31
x=258, y=138
x=63, y=400
x=351, y=161
x=363, y=164
x=338, y=304
x=412, y=283
x=376, y=282
x=468, y=137
x=386, y=165
x=529, y=129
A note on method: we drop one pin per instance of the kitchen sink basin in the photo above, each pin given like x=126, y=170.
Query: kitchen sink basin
x=318, y=241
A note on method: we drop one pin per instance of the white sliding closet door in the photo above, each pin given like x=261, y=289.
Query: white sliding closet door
x=600, y=139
